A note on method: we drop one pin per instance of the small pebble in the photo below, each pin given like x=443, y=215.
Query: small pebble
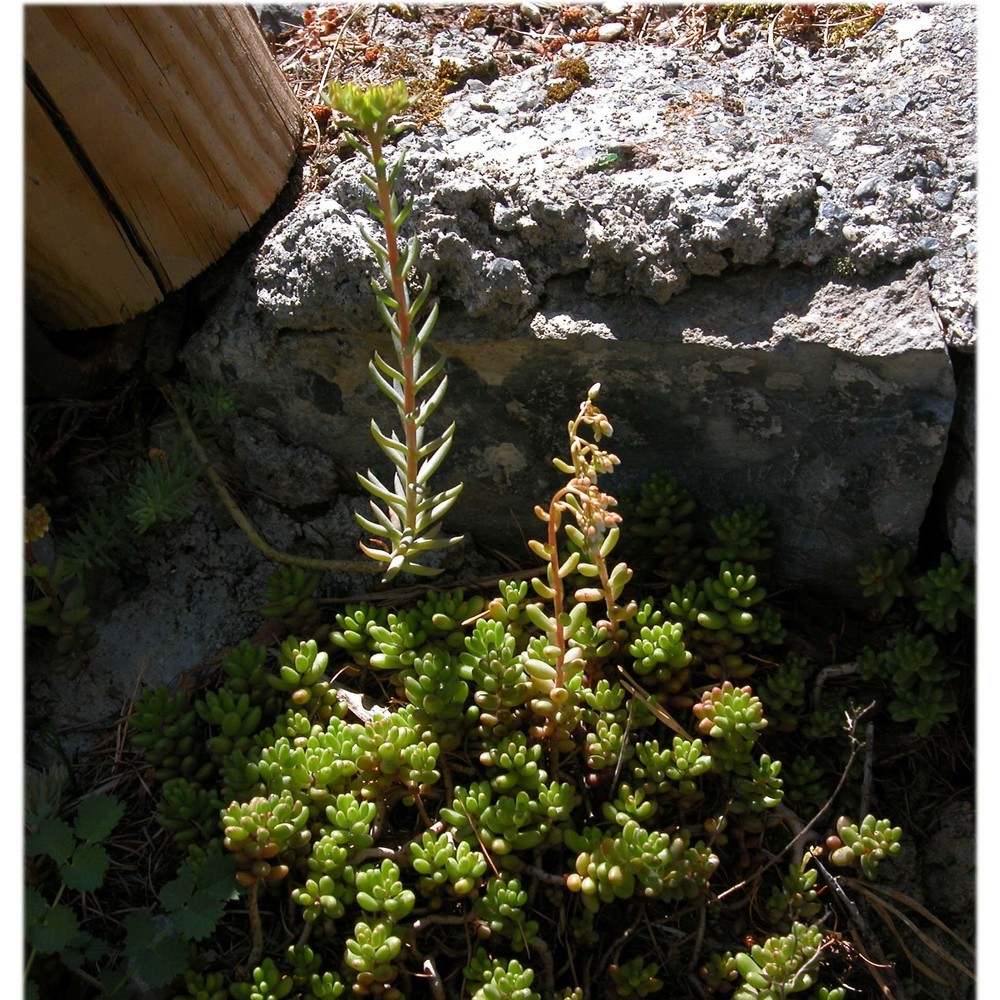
x=531, y=14
x=609, y=32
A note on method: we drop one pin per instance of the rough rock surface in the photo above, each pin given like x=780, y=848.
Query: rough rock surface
x=767, y=261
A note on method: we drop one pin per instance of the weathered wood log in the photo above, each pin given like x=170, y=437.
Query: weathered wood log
x=154, y=137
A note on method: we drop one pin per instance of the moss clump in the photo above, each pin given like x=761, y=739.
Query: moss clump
x=476, y=17
x=561, y=90
x=812, y=25
x=574, y=68
x=450, y=75
x=572, y=73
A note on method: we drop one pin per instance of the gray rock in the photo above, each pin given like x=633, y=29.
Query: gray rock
x=767, y=292
x=277, y=19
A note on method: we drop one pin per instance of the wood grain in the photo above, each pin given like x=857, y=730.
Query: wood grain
x=182, y=126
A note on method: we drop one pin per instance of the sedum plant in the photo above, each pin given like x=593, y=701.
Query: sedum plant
x=865, y=843
x=564, y=761
x=408, y=527
x=781, y=966
x=504, y=760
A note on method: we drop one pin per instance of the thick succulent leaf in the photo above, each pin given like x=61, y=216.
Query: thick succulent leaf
x=429, y=375
x=440, y=448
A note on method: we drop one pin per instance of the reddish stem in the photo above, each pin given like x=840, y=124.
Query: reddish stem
x=400, y=294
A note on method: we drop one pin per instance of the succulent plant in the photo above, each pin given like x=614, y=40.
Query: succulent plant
x=918, y=677
x=499, y=910
x=928, y=705
x=233, y=717
x=166, y=731
x=505, y=755
x=805, y=785
x=308, y=974
x=371, y=953
x=740, y=535
x=187, y=811
x=440, y=860
x=208, y=986
x=315, y=769
x=637, y=861
x=658, y=513
x=325, y=897
x=499, y=979
x=943, y=594
x=398, y=642
x=354, y=624
x=408, y=528
x=437, y=692
x=607, y=721
x=867, y=843
x=756, y=786
x=258, y=832
x=392, y=751
x=517, y=761
x=718, y=621
x=507, y=607
x=553, y=664
x=506, y=824
x=291, y=596
x=797, y=899
x=719, y=972
x=885, y=577
x=267, y=983
x=733, y=718
x=442, y=614
x=380, y=891
x=783, y=690
x=244, y=670
x=781, y=966
x=630, y=804
x=635, y=978
x=660, y=655
x=730, y=595
x=495, y=672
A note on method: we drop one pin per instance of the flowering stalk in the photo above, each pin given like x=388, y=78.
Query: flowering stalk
x=410, y=522
x=595, y=533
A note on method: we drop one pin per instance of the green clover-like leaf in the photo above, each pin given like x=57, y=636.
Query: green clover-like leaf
x=86, y=869
x=52, y=930
x=97, y=816
x=54, y=837
x=155, y=953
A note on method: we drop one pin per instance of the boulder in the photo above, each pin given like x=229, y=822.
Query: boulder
x=767, y=261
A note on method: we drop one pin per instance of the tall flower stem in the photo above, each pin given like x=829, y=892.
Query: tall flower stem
x=410, y=523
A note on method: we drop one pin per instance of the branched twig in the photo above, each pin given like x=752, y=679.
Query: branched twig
x=836, y=670
x=800, y=828
x=894, y=988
